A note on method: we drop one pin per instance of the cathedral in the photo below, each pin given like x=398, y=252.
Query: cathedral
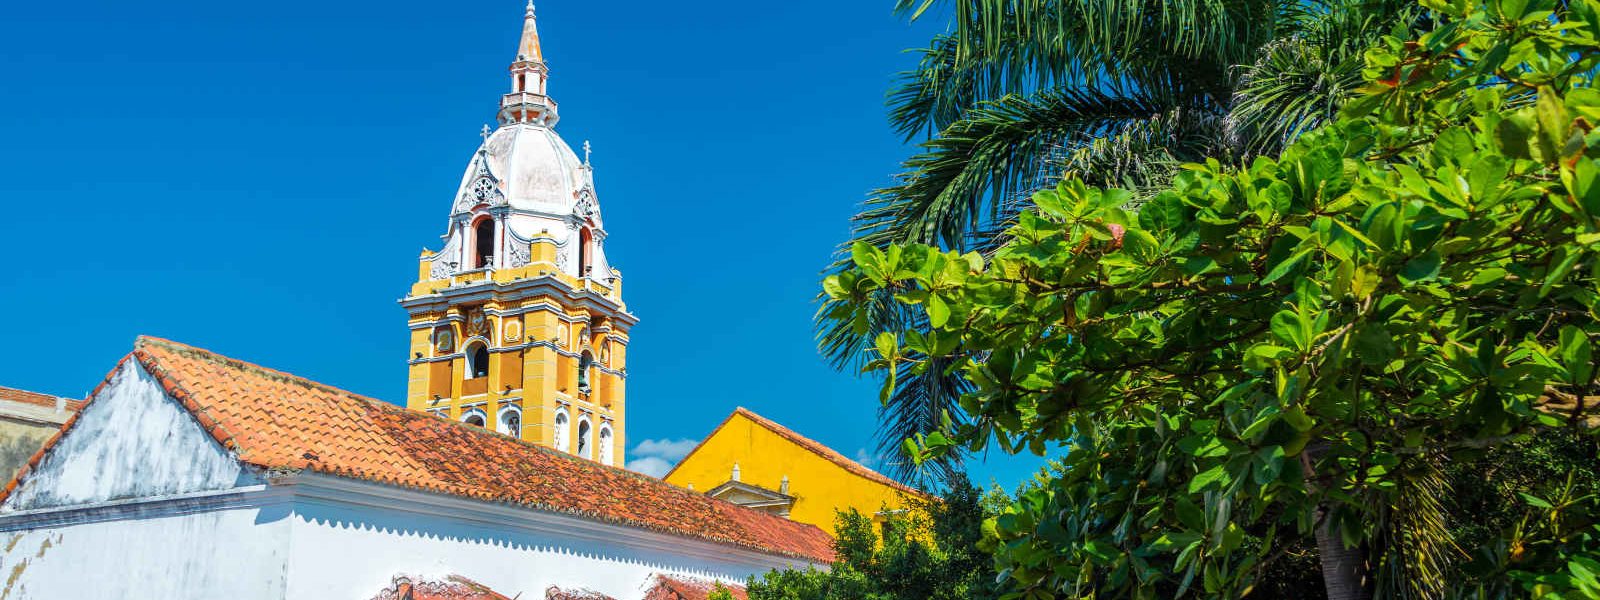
x=188, y=474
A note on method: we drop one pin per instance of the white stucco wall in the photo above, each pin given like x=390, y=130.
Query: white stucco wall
x=236, y=554
x=131, y=441
x=353, y=551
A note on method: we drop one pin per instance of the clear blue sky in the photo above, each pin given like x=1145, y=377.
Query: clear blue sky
x=258, y=179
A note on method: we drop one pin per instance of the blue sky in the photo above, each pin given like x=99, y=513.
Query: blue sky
x=258, y=179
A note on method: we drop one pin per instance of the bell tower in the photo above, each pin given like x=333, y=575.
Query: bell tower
x=517, y=322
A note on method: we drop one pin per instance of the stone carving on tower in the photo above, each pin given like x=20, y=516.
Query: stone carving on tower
x=523, y=255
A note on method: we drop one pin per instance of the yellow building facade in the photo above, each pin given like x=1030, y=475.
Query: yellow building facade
x=517, y=324
x=753, y=461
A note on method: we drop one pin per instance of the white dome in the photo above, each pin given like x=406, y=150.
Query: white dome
x=530, y=167
x=525, y=182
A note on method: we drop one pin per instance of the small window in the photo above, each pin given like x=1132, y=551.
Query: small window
x=585, y=446
x=477, y=361
x=473, y=417
x=483, y=236
x=605, y=445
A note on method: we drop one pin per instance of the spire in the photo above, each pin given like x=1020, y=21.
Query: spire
x=528, y=101
x=528, y=50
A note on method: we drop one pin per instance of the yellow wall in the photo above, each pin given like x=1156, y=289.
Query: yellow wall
x=18, y=441
x=820, y=486
x=539, y=379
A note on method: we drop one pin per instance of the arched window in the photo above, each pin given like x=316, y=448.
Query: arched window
x=473, y=417
x=477, y=360
x=561, y=430
x=605, y=444
x=585, y=444
x=510, y=421
x=483, y=243
x=584, y=363
x=585, y=252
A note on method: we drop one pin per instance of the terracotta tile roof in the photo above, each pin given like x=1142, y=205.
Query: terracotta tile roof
x=274, y=420
x=454, y=587
x=35, y=398
x=814, y=446
x=555, y=593
x=668, y=587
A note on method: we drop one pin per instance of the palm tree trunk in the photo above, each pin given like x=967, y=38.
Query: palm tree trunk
x=1344, y=571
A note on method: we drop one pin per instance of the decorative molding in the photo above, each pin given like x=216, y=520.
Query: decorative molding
x=446, y=262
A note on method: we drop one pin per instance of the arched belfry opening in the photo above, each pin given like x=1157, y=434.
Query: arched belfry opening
x=483, y=243
x=477, y=361
x=585, y=252
x=584, y=364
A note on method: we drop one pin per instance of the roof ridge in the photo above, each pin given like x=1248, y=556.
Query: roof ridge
x=224, y=360
x=229, y=361
x=400, y=430
x=829, y=454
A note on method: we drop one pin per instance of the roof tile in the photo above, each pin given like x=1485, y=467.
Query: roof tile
x=274, y=420
x=671, y=587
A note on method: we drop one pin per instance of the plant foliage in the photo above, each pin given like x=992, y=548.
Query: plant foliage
x=1299, y=347
x=1115, y=92
x=930, y=552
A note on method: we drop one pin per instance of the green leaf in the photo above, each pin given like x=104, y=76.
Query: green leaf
x=1553, y=123
x=1535, y=501
x=1421, y=268
x=1287, y=326
x=1286, y=266
x=1214, y=477
x=1577, y=355
x=938, y=311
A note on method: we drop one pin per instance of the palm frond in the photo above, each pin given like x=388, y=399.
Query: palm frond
x=1020, y=47
x=1300, y=81
x=1416, y=547
x=961, y=180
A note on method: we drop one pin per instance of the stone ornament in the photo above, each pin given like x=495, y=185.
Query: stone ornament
x=513, y=331
x=444, y=342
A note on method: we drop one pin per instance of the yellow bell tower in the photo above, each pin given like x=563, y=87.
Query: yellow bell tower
x=517, y=323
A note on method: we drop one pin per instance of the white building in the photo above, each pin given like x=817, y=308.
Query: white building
x=192, y=475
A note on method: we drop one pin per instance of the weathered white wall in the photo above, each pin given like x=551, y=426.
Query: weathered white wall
x=235, y=554
x=349, y=552
x=132, y=441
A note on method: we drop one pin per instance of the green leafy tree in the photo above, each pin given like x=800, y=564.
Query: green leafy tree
x=929, y=552
x=1115, y=92
x=1294, y=350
